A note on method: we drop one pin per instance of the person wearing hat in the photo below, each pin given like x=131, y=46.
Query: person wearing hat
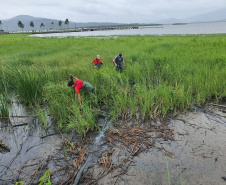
x=119, y=62
x=97, y=62
x=78, y=85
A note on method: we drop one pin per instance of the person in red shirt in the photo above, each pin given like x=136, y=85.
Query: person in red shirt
x=97, y=62
x=78, y=85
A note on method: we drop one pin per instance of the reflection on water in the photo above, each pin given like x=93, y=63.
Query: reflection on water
x=22, y=133
x=199, y=28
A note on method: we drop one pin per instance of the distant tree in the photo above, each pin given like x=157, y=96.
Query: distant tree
x=52, y=24
x=42, y=25
x=21, y=25
x=1, y=24
x=32, y=24
x=66, y=22
x=60, y=23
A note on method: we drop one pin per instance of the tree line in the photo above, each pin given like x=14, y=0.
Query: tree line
x=42, y=25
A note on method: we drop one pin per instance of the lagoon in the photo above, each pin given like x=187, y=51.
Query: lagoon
x=183, y=29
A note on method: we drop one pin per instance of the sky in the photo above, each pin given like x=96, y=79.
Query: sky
x=120, y=11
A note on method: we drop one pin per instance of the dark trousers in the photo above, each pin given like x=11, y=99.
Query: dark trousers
x=88, y=87
x=98, y=65
x=119, y=67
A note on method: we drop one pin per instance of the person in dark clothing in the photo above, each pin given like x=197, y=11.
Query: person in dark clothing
x=119, y=62
x=78, y=85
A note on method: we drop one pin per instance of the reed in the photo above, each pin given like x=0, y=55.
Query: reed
x=167, y=171
x=42, y=115
x=163, y=74
x=4, y=110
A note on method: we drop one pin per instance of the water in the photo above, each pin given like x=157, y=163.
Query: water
x=93, y=156
x=198, y=152
x=22, y=133
x=199, y=28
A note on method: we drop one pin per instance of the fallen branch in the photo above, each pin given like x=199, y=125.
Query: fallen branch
x=19, y=116
x=48, y=135
x=30, y=165
x=19, y=125
x=223, y=106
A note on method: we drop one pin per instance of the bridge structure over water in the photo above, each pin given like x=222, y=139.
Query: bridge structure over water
x=88, y=29
x=102, y=28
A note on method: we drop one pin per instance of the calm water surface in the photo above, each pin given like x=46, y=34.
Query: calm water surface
x=199, y=28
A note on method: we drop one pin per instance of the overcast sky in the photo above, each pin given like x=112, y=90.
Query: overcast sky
x=121, y=11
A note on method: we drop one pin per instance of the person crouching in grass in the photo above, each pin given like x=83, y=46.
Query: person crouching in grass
x=78, y=85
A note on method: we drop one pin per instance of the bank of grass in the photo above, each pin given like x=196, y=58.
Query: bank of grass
x=163, y=74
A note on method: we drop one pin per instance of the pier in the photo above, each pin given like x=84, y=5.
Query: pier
x=87, y=29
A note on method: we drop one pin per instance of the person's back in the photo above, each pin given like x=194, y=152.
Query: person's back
x=78, y=85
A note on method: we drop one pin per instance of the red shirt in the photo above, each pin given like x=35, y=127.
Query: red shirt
x=96, y=61
x=78, y=85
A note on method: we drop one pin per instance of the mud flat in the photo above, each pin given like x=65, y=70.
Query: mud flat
x=196, y=156
x=28, y=143
x=192, y=144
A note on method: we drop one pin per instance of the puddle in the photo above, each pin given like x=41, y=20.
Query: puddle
x=195, y=155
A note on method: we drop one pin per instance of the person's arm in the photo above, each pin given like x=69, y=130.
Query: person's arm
x=79, y=96
x=71, y=78
x=93, y=63
x=114, y=62
x=123, y=62
x=79, y=99
x=74, y=77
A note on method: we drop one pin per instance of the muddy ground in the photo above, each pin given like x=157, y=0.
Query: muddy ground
x=192, y=145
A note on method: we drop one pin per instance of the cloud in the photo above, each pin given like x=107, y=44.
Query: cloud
x=109, y=11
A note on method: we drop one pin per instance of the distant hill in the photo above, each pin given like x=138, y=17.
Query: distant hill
x=219, y=15
x=11, y=24
x=215, y=16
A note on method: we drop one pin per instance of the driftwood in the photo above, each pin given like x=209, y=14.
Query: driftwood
x=79, y=174
x=19, y=125
x=18, y=117
x=124, y=143
x=223, y=106
x=48, y=135
x=131, y=141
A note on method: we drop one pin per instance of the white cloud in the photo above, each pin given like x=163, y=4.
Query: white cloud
x=126, y=11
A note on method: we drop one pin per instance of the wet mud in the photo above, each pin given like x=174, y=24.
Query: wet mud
x=187, y=149
x=28, y=143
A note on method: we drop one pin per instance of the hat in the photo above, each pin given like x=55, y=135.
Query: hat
x=98, y=56
x=120, y=54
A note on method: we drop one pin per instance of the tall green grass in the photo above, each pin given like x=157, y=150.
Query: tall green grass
x=4, y=110
x=163, y=74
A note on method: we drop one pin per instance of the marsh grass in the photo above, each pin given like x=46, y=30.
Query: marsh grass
x=42, y=115
x=4, y=109
x=3, y=106
x=179, y=177
x=163, y=74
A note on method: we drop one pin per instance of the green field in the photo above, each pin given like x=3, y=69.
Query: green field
x=163, y=74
